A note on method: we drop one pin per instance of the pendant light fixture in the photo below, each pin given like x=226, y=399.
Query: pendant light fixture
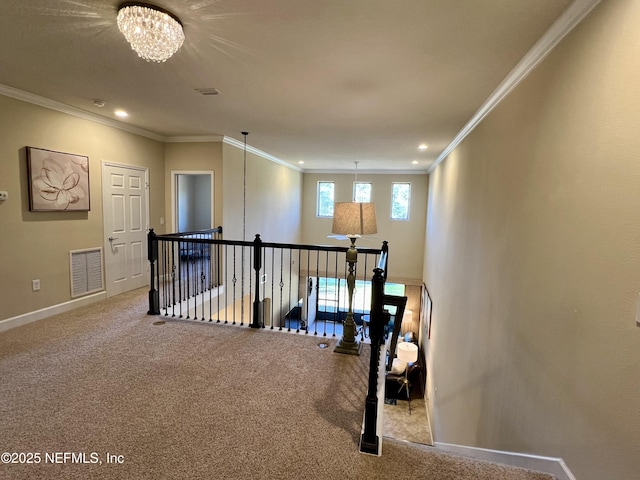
x=154, y=34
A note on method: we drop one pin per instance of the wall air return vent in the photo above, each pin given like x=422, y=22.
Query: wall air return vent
x=86, y=271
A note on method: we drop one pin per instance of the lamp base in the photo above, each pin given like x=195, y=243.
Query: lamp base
x=353, y=347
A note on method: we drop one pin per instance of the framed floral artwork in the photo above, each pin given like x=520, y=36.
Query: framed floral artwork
x=58, y=182
x=426, y=309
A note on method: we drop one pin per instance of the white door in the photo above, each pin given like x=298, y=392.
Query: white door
x=124, y=193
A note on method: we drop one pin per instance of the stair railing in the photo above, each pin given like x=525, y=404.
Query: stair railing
x=370, y=440
x=213, y=279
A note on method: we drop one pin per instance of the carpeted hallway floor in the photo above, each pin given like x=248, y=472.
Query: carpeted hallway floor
x=189, y=400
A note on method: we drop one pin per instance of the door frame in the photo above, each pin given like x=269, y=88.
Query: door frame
x=105, y=241
x=174, y=196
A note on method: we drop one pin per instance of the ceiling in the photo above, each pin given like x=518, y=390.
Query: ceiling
x=326, y=82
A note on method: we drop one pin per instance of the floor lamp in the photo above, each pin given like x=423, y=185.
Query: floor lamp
x=352, y=219
x=407, y=352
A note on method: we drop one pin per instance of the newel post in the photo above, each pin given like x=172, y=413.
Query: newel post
x=152, y=255
x=370, y=440
x=257, y=266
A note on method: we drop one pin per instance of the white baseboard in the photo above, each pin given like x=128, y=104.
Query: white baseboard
x=50, y=311
x=551, y=465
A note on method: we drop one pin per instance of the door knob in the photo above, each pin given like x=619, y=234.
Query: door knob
x=111, y=239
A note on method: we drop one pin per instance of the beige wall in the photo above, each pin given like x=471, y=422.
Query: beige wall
x=194, y=157
x=273, y=198
x=533, y=262
x=406, y=238
x=40, y=242
x=273, y=209
x=36, y=245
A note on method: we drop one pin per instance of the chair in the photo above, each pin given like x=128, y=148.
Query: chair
x=362, y=324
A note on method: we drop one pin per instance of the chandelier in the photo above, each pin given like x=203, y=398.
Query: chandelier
x=154, y=34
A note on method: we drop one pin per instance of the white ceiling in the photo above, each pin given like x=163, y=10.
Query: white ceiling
x=327, y=82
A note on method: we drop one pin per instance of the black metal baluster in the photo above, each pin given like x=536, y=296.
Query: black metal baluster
x=173, y=279
x=203, y=279
x=306, y=293
x=326, y=291
x=289, y=300
x=165, y=275
x=317, y=302
x=299, y=322
x=226, y=283
x=281, y=284
x=273, y=264
x=180, y=286
x=336, y=316
x=234, y=280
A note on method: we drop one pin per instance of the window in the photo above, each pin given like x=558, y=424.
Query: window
x=324, y=203
x=362, y=192
x=333, y=295
x=400, y=200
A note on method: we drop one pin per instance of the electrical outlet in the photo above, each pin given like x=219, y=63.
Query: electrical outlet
x=35, y=285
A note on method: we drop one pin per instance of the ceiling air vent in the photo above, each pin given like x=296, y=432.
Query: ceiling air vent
x=208, y=91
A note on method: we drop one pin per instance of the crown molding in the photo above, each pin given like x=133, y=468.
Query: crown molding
x=8, y=91
x=76, y=112
x=367, y=172
x=560, y=28
x=195, y=139
x=238, y=144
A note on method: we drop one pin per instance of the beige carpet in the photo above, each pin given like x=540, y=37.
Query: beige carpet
x=191, y=400
x=411, y=427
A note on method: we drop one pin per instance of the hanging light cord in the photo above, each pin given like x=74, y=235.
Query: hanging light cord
x=355, y=185
x=244, y=190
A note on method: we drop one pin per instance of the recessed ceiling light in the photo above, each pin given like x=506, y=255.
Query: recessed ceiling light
x=423, y=146
x=301, y=162
x=121, y=113
x=415, y=162
x=99, y=103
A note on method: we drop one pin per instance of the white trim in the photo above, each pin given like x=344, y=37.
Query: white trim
x=551, y=465
x=561, y=27
x=30, y=317
x=105, y=234
x=367, y=172
x=260, y=153
x=195, y=139
x=174, y=202
x=75, y=112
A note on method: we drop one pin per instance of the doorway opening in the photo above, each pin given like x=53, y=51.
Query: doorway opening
x=192, y=195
